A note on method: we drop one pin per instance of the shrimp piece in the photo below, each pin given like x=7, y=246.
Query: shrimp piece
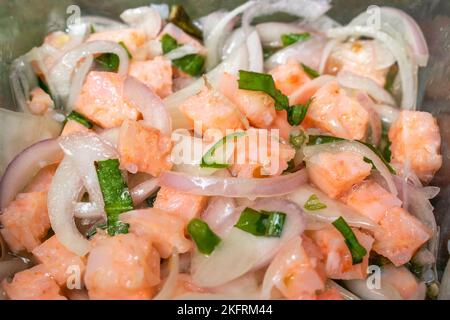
x=25, y=221
x=282, y=125
x=399, y=236
x=58, y=260
x=403, y=281
x=416, y=143
x=40, y=101
x=360, y=57
x=182, y=38
x=370, y=199
x=257, y=106
x=73, y=126
x=33, y=284
x=330, y=294
x=164, y=230
x=143, y=149
x=289, y=77
x=334, y=111
x=42, y=180
x=122, y=267
x=298, y=272
x=213, y=110
x=155, y=73
x=260, y=150
x=101, y=100
x=186, y=206
x=132, y=38
x=335, y=173
x=338, y=258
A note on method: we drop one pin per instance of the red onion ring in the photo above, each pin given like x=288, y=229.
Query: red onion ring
x=25, y=166
x=151, y=106
x=233, y=187
x=143, y=190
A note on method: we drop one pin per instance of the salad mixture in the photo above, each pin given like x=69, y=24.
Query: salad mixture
x=162, y=157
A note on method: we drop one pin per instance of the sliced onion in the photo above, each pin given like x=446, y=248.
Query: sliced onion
x=360, y=288
x=308, y=52
x=333, y=210
x=307, y=9
x=326, y=52
x=241, y=252
x=88, y=211
x=344, y=292
x=238, y=61
x=388, y=114
x=220, y=215
x=170, y=284
x=25, y=166
x=83, y=150
x=102, y=23
x=215, y=39
x=353, y=81
x=234, y=187
x=407, y=69
x=400, y=25
x=149, y=103
x=271, y=32
x=358, y=148
x=245, y=287
x=61, y=72
x=255, y=53
x=110, y=135
x=146, y=18
x=143, y=190
x=65, y=190
x=322, y=24
x=181, y=52
x=374, y=119
x=78, y=80
x=209, y=22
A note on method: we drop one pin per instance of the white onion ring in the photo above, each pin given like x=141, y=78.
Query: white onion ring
x=408, y=71
x=25, y=166
x=220, y=215
x=149, y=103
x=213, y=41
x=271, y=32
x=65, y=191
x=61, y=72
x=168, y=289
x=241, y=252
x=145, y=18
x=234, y=187
x=78, y=80
x=255, y=53
x=181, y=52
x=143, y=190
x=401, y=26
x=353, y=81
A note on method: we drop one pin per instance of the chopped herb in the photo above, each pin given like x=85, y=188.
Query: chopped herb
x=268, y=52
x=385, y=143
x=322, y=139
x=179, y=17
x=377, y=259
x=211, y=160
x=390, y=78
x=297, y=113
x=291, y=38
x=313, y=203
x=356, y=249
x=205, y=239
x=78, y=117
x=310, y=71
x=370, y=162
x=110, y=61
x=261, y=223
x=168, y=43
x=151, y=200
x=263, y=82
x=115, y=194
x=192, y=64
x=297, y=139
x=291, y=166
x=93, y=230
x=91, y=28
x=43, y=86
